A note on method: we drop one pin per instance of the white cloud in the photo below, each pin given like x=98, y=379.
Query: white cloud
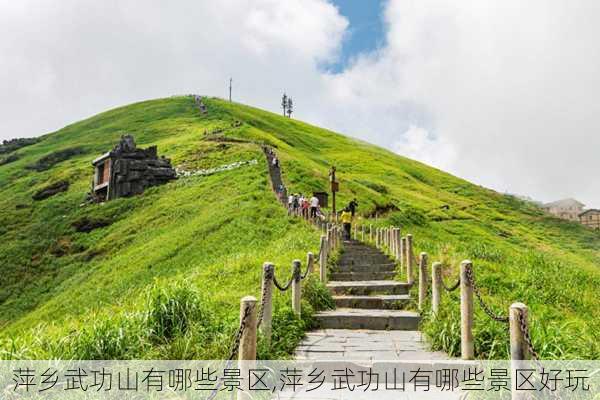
x=511, y=85
x=418, y=144
x=502, y=92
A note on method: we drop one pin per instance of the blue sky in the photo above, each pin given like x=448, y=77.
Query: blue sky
x=366, y=30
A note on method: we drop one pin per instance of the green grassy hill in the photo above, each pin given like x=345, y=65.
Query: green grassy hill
x=164, y=277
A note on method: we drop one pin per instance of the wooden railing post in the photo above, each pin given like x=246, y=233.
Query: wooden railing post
x=377, y=237
x=387, y=237
x=355, y=232
x=323, y=260
x=370, y=233
x=398, y=254
x=247, y=345
x=436, y=287
x=422, y=280
x=403, y=252
x=310, y=263
x=466, y=312
x=296, y=286
x=267, y=300
x=409, y=259
x=362, y=233
x=247, y=349
x=518, y=347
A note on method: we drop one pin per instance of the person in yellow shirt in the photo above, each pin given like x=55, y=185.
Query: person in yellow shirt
x=346, y=219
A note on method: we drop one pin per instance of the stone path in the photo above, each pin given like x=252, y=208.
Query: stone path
x=370, y=321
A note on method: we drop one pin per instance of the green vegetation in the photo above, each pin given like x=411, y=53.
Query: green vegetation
x=162, y=275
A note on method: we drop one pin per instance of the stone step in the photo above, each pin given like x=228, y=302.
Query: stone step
x=354, y=260
x=368, y=287
x=366, y=267
x=357, y=318
x=362, y=276
x=382, y=301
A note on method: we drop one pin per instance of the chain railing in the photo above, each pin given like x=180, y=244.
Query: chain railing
x=524, y=328
x=451, y=288
x=240, y=332
x=486, y=308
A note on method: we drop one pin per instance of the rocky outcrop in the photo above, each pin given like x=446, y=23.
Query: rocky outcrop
x=51, y=190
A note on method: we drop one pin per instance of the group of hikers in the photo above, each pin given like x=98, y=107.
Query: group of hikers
x=303, y=206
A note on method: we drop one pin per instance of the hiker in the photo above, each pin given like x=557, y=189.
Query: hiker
x=352, y=206
x=305, y=206
x=295, y=204
x=314, y=205
x=275, y=162
x=290, y=203
x=346, y=218
x=281, y=194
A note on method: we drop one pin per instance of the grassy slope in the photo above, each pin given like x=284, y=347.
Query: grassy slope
x=213, y=234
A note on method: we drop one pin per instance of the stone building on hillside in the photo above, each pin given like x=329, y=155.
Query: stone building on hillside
x=128, y=170
x=590, y=218
x=568, y=209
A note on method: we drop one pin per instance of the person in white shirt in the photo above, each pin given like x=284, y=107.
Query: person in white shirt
x=314, y=205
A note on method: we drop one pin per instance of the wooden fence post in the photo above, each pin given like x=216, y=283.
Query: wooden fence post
x=247, y=349
x=296, y=286
x=398, y=254
x=518, y=348
x=355, y=232
x=402, y=253
x=267, y=300
x=422, y=280
x=409, y=259
x=323, y=260
x=466, y=312
x=247, y=345
x=377, y=237
x=436, y=287
x=386, y=239
x=310, y=263
x=362, y=233
x=370, y=233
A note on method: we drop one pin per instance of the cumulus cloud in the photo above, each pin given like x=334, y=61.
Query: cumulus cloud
x=501, y=92
x=419, y=143
x=511, y=85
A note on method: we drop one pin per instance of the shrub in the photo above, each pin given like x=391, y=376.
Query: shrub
x=114, y=338
x=317, y=294
x=172, y=310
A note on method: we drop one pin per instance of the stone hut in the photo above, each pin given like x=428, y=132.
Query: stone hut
x=127, y=170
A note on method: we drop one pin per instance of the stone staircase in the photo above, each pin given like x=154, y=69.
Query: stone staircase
x=365, y=294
